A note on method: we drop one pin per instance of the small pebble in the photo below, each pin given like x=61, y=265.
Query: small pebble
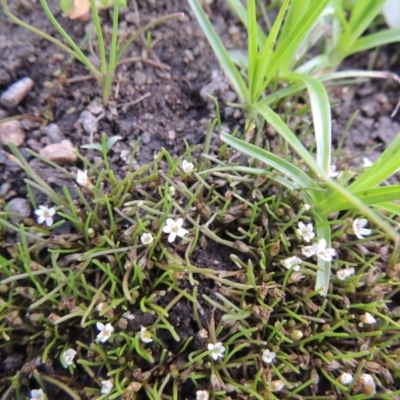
x=89, y=122
x=139, y=78
x=60, y=153
x=16, y=92
x=146, y=138
x=54, y=133
x=12, y=132
x=19, y=206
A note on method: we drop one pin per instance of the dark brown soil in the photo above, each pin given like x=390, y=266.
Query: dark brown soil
x=172, y=111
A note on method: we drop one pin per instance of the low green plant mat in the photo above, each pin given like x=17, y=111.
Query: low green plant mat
x=185, y=279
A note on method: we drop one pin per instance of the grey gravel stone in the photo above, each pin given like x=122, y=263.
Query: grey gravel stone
x=19, y=206
x=146, y=138
x=89, y=122
x=54, y=133
x=139, y=78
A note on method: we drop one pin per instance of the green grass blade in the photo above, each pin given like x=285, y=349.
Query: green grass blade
x=252, y=45
x=286, y=168
x=286, y=50
x=362, y=15
x=276, y=122
x=374, y=40
x=324, y=272
x=372, y=196
x=391, y=207
x=384, y=167
x=229, y=68
x=321, y=114
x=293, y=16
x=241, y=13
x=264, y=58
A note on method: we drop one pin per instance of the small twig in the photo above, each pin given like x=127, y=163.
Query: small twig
x=131, y=103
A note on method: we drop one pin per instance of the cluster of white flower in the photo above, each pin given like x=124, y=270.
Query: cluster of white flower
x=173, y=228
x=319, y=248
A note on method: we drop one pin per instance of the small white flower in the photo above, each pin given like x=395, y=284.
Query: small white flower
x=106, y=386
x=45, y=214
x=203, y=333
x=268, y=356
x=358, y=228
x=306, y=207
x=172, y=191
x=306, y=231
x=202, y=395
x=83, y=179
x=187, y=166
x=342, y=274
x=146, y=238
x=291, y=262
x=277, y=385
x=68, y=356
x=332, y=172
x=37, y=394
x=326, y=253
x=367, y=162
x=366, y=379
x=367, y=318
x=295, y=277
x=309, y=251
x=217, y=350
x=368, y=385
x=174, y=228
x=145, y=335
x=105, y=331
x=345, y=378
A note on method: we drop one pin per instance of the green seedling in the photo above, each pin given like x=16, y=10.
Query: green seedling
x=275, y=57
x=110, y=60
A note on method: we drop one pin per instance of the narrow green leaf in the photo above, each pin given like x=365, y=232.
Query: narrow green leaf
x=321, y=113
x=384, y=167
x=324, y=272
x=241, y=13
x=311, y=189
x=372, y=196
x=264, y=58
x=286, y=51
x=374, y=40
x=252, y=46
x=362, y=15
x=229, y=68
x=276, y=122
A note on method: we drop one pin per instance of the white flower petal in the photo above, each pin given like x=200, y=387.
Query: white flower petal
x=105, y=331
x=358, y=228
x=147, y=238
x=174, y=228
x=37, y=394
x=187, y=166
x=342, y=274
x=345, y=378
x=68, y=356
x=106, y=386
x=202, y=395
x=217, y=350
x=291, y=262
x=268, y=356
x=306, y=231
x=145, y=335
